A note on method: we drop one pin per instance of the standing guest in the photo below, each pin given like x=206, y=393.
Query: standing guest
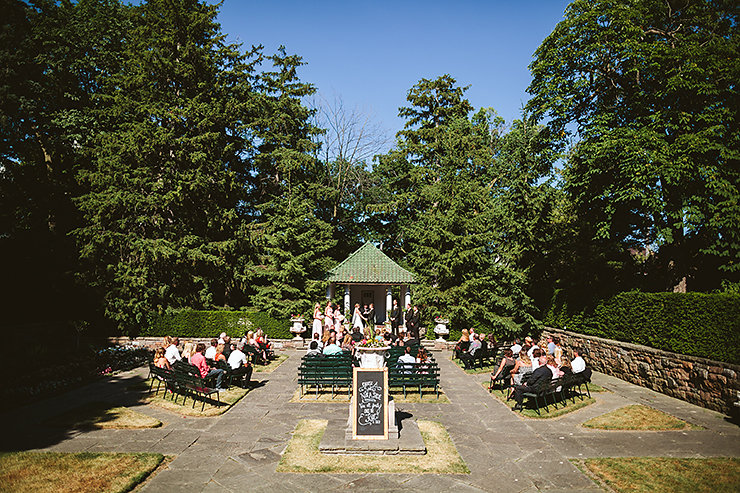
x=159, y=360
x=542, y=373
x=211, y=351
x=577, y=365
x=395, y=317
x=415, y=321
x=328, y=316
x=171, y=352
x=241, y=369
x=550, y=345
x=317, y=316
x=357, y=318
x=516, y=347
x=407, y=317
x=371, y=315
x=199, y=360
x=338, y=319
x=188, y=351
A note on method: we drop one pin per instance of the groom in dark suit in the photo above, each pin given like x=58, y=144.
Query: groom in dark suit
x=371, y=316
x=407, y=317
x=395, y=317
x=541, y=374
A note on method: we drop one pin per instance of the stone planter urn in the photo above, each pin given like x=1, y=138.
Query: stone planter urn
x=441, y=329
x=372, y=357
x=297, y=328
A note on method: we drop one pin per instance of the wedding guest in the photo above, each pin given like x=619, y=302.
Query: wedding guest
x=199, y=360
x=317, y=317
x=188, y=351
x=211, y=351
x=159, y=360
x=171, y=352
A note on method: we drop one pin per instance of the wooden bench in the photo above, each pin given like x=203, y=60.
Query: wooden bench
x=325, y=371
x=161, y=376
x=417, y=375
x=190, y=383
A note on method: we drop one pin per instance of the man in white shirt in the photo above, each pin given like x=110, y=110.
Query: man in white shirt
x=241, y=370
x=516, y=348
x=406, y=358
x=211, y=351
x=577, y=365
x=172, y=353
x=237, y=358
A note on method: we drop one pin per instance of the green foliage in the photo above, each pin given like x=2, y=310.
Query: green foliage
x=697, y=324
x=208, y=324
x=651, y=89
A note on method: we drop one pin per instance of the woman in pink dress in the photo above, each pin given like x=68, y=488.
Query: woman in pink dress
x=328, y=316
x=317, y=316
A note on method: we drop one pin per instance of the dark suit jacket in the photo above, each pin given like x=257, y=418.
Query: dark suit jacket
x=395, y=314
x=371, y=317
x=409, y=314
x=540, y=374
x=415, y=319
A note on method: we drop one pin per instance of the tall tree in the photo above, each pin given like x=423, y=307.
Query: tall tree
x=163, y=188
x=650, y=87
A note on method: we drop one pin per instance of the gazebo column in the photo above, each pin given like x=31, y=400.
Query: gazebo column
x=388, y=301
x=346, y=298
x=407, y=294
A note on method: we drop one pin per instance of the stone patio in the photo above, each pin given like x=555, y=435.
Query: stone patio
x=239, y=450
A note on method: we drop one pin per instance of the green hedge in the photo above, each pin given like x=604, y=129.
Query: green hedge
x=196, y=323
x=697, y=324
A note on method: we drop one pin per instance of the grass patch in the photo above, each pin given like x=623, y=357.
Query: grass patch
x=164, y=400
x=666, y=475
x=341, y=397
x=563, y=407
x=303, y=455
x=592, y=387
x=99, y=415
x=475, y=371
x=53, y=471
x=637, y=417
x=272, y=365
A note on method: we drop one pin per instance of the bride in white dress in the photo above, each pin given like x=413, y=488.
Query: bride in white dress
x=357, y=319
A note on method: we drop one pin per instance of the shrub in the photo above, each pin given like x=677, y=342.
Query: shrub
x=207, y=324
x=697, y=324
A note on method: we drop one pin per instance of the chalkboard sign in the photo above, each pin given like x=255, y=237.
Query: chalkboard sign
x=370, y=404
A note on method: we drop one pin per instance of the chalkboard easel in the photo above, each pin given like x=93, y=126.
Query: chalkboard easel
x=370, y=404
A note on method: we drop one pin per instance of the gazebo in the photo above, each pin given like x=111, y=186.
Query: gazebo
x=368, y=276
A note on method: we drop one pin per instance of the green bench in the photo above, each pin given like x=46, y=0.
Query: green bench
x=414, y=375
x=325, y=371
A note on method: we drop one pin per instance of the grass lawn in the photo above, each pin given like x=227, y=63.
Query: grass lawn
x=637, y=417
x=552, y=412
x=164, y=400
x=475, y=371
x=96, y=415
x=272, y=365
x=341, y=397
x=54, y=472
x=303, y=455
x=666, y=475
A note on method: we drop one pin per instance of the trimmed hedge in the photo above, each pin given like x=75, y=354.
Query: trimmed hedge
x=697, y=324
x=207, y=324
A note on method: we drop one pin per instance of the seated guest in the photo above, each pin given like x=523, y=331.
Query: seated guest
x=577, y=365
x=160, y=361
x=171, y=352
x=558, y=351
x=522, y=367
x=553, y=366
x=536, y=354
x=507, y=360
x=356, y=335
x=222, y=338
x=211, y=351
x=240, y=367
x=468, y=355
x=532, y=346
x=227, y=347
x=188, y=351
x=219, y=356
x=492, y=340
x=313, y=348
x=422, y=356
x=332, y=347
x=317, y=338
x=199, y=360
x=542, y=373
x=565, y=366
x=348, y=344
x=406, y=357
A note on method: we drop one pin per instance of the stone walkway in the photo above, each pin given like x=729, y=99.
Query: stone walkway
x=239, y=450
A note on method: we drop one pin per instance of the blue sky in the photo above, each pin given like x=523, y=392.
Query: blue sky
x=371, y=53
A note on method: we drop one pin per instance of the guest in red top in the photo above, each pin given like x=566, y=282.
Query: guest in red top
x=219, y=353
x=199, y=360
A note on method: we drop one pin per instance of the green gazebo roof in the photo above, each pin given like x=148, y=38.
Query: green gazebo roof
x=369, y=265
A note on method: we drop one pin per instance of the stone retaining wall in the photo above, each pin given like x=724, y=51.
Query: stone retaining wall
x=155, y=342
x=707, y=383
